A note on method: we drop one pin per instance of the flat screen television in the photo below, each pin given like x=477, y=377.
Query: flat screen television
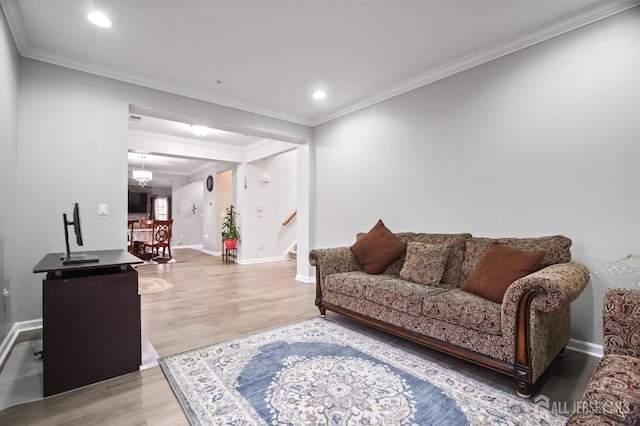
x=137, y=202
x=77, y=230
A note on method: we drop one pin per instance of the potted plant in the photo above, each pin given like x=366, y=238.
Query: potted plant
x=230, y=229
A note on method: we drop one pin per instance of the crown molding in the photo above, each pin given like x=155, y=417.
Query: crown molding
x=42, y=56
x=593, y=13
x=554, y=29
x=15, y=20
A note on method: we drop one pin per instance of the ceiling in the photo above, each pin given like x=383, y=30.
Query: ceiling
x=147, y=124
x=269, y=56
x=165, y=167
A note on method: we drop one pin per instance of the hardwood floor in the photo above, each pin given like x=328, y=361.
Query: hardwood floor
x=211, y=302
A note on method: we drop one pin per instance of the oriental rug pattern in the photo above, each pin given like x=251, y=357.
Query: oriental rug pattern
x=321, y=373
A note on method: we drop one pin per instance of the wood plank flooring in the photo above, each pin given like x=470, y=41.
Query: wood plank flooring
x=211, y=302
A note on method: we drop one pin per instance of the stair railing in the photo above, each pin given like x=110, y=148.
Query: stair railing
x=290, y=218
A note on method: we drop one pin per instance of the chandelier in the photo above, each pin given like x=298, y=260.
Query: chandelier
x=143, y=176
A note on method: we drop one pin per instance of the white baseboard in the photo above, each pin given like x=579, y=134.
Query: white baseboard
x=212, y=253
x=194, y=247
x=19, y=327
x=306, y=279
x=585, y=347
x=261, y=260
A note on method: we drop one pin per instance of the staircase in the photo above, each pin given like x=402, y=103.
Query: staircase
x=292, y=254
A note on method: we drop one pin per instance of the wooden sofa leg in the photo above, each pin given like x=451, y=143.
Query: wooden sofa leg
x=563, y=352
x=323, y=312
x=523, y=390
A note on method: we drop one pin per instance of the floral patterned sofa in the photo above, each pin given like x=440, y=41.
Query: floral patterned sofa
x=612, y=396
x=520, y=336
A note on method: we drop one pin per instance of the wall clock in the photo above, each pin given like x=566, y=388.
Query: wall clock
x=210, y=183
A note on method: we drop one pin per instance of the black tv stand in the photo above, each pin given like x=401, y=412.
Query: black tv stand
x=72, y=259
x=90, y=319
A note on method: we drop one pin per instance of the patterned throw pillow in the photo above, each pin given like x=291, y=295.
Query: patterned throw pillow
x=378, y=249
x=499, y=267
x=424, y=263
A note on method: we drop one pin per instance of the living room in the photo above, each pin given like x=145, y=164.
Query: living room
x=542, y=141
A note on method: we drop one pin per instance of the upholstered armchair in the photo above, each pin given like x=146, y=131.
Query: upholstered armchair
x=612, y=396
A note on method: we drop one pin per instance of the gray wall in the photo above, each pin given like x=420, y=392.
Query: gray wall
x=8, y=171
x=543, y=141
x=187, y=227
x=73, y=137
x=262, y=232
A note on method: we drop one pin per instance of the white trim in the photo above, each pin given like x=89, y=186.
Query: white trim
x=193, y=247
x=212, y=253
x=43, y=56
x=585, y=347
x=199, y=248
x=306, y=279
x=262, y=260
x=596, y=12
x=15, y=20
x=10, y=339
x=551, y=30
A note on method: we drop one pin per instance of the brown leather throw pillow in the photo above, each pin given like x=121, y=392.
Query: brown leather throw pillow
x=377, y=249
x=499, y=267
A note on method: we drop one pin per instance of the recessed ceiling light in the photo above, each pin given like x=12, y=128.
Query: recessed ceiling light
x=200, y=130
x=319, y=94
x=99, y=19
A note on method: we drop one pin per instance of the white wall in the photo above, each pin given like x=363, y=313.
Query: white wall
x=543, y=141
x=8, y=173
x=73, y=137
x=224, y=198
x=187, y=213
x=263, y=235
x=209, y=221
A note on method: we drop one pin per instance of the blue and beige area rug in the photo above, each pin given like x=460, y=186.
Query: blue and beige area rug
x=317, y=372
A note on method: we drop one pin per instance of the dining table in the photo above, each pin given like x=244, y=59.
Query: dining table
x=140, y=236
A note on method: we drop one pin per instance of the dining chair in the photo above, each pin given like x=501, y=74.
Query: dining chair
x=161, y=237
x=146, y=223
x=130, y=236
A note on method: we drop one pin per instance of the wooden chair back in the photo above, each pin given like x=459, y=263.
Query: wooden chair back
x=130, y=236
x=161, y=237
x=146, y=223
x=162, y=231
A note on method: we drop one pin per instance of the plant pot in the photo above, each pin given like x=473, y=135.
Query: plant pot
x=230, y=244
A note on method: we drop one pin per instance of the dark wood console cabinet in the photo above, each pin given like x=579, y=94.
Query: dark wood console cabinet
x=90, y=320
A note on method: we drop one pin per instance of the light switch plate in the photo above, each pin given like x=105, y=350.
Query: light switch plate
x=102, y=209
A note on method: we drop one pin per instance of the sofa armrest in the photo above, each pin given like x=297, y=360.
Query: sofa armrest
x=621, y=322
x=333, y=260
x=555, y=286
